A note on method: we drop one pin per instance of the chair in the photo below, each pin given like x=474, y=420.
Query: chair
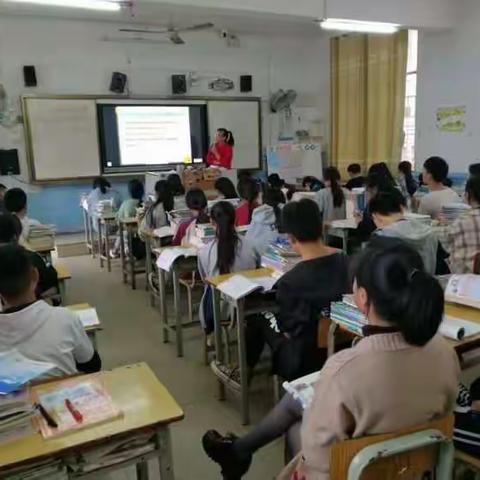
x=407, y=454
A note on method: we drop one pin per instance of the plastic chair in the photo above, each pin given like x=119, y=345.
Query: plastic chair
x=407, y=454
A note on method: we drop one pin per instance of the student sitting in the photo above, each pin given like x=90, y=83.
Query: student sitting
x=225, y=189
x=312, y=184
x=435, y=172
x=156, y=215
x=102, y=190
x=303, y=294
x=462, y=239
x=414, y=379
x=178, y=191
x=34, y=328
x=388, y=213
x=250, y=192
x=266, y=221
x=10, y=233
x=382, y=170
x=16, y=203
x=197, y=204
x=3, y=190
x=408, y=185
x=331, y=200
x=356, y=179
x=228, y=253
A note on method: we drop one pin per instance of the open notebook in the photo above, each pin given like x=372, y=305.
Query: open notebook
x=458, y=329
x=168, y=256
x=238, y=286
x=464, y=289
x=89, y=317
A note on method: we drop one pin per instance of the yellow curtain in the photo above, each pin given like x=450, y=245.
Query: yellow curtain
x=368, y=75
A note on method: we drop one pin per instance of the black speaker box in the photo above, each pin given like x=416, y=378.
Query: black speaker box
x=9, y=162
x=118, y=83
x=245, y=83
x=29, y=76
x=179, y=84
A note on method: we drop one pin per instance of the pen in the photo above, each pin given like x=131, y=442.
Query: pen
x=75, y=413
x=48, y=418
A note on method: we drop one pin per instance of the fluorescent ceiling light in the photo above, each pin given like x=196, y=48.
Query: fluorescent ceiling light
x=358, y=26
x=104, y=5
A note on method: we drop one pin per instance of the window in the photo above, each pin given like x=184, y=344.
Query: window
x=408, y=150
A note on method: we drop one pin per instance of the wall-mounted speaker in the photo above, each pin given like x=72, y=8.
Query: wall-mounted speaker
x=118, y=83
x=29, y=76
x=179, y=84
x=245, y=83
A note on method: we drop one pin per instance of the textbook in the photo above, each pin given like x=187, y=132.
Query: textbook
x=239, y=286
x=89, y=317
x=163, y=232
x=464, y=289
x=303, y=388
x=168, y=256
x=458, y=329
x=74, y=405
x=16, y=415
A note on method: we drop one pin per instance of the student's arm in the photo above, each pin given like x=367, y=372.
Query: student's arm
x=87, y=359
x=92, y=366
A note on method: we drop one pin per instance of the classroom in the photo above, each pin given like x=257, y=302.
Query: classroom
x=239, y=240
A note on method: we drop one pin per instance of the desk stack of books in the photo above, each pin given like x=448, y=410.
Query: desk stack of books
x=280, y=257
x=452, y=211
x=105, y=208
x=16, y=415
x=41, y=237
x=347, y=315
x=177, y=217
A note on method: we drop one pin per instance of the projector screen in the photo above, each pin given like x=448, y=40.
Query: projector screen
x=150, y=137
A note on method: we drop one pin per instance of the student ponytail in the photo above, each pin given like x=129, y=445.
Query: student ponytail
x=249, y=190
x=274, y=198
x=399, y=289
x=223, y=214
x=163, y=196
x=332, y=175
x=227, y=136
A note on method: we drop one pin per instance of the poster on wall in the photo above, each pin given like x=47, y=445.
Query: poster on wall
x=451, y=119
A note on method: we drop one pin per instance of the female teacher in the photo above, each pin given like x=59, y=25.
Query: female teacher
x=221, y=152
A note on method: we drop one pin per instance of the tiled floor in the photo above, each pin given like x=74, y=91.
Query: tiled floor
x=132, y=333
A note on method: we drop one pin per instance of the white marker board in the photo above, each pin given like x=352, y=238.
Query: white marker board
x=242, y=118
x=63, y=139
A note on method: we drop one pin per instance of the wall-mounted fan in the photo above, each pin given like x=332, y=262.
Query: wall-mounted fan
x=172, y=32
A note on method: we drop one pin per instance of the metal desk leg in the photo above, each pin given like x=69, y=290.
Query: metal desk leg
x=62, y=289
x=165, y=459
x=178, y=316
x=148, y=266
x=92, y=235
x=122, y=252
x=142, y=470
x=345, y=240
x=107, y=246
x=242, y=360
x=218, y=337
x=100, y=249
x=331, y=338
x=131, y=258
x=85, y=225
x=163, y=303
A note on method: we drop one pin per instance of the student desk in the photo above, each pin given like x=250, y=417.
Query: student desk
x=341, y=229
x=91, y=331
x=180, y=266
x=147, y=407
x=249, y=305
x=461, y=346
x=104, y=223
x=87, y=223
x=63, y=274
x=129, y=267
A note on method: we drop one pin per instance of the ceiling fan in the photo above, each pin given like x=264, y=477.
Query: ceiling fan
x=172, y=32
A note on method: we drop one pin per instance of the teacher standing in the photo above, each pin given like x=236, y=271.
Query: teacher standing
x=220, y=153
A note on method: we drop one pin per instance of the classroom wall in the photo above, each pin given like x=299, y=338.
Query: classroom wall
x=448, y=75
x=71, y=58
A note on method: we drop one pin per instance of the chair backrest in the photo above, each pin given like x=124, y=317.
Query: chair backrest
x=409, y=465
x=476, y=264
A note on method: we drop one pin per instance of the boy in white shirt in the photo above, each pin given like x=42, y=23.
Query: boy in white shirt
x=435, y=172
x=16, y=203
x=34, y=328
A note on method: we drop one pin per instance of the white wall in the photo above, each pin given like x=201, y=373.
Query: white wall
x=70, y=58
x=449, y=75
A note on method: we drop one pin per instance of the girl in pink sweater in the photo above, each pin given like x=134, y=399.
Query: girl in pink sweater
x=399, y=375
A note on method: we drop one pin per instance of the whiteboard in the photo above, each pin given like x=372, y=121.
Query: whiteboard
x=242, y=118
x=63, y=139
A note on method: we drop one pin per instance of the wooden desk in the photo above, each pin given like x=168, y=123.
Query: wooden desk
x=241, y=311
x=92, y=330
x=129, y=268
x=63, y=274
x=104, y=223
x=147, y=406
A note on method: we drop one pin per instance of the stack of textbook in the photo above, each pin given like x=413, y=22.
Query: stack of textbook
x=347, y=315
x=16, y=415
x=280, y=257
x=105, y=208
x=41, y=237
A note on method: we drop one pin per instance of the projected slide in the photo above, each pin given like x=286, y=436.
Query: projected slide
x=153, y=135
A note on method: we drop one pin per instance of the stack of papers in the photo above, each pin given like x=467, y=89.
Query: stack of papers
x=16, y=415
x=454, y=210
x=41, y=237
x=238, y=286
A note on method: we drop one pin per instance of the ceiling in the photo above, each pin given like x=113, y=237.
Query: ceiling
x=155, y=13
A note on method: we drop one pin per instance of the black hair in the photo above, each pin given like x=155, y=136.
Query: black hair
x=387, y=202
x=197, y=201
x=312, y=182
x=379, y=181
x=332, y=175
x=10, y=228
x=225, y=186
x=437, y=167
x=15, y=268
x=243, y=175
x=175, y=184
x=401, y=291
x=474, y=169
x=275, y=181
x=227, y=135
x=163, y=196
x=15, y=200
x=354, y=168
x=406, y=169
x=249, y=190
x=102, y=183
x=302, y=220
x=274, y=198
x=381, y=168
x=136, y=189
x=475, y=390
x=472, y=188
x=2, y=186
x=448, y=182
x=223, y=214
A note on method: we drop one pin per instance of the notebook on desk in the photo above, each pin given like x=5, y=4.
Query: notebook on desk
x=168, y=256
x=464, y=289
x=239, y=286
